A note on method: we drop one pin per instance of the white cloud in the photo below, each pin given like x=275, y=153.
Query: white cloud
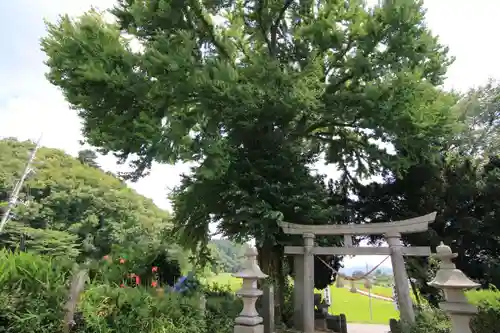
x=29, y=104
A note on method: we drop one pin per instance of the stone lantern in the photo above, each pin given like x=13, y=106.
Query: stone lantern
x=249, y=321
x=368, y=283
x=339, y=283
x=353, y=287
x=454, y=284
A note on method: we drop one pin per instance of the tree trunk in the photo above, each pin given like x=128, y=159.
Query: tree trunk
x=415, y=292
x=271, y=263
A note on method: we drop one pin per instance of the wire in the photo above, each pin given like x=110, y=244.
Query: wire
x=350, y=278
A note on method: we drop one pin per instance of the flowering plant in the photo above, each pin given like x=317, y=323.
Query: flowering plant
x=122, y=271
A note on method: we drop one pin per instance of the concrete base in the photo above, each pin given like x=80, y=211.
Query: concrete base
x=248, y=329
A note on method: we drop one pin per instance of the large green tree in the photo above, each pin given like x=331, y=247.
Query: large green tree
x=478, y=113
x=461, y=187
x=255, y=92
x=88, y=157
x=462, y=190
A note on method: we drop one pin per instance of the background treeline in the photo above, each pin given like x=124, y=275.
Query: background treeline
x=70, y=207
x=228, y=256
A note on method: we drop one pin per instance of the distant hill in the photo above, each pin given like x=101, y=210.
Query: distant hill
x=229, y=256
x=351, y=269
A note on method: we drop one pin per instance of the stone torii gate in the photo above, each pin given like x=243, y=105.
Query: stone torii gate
x=304, y=259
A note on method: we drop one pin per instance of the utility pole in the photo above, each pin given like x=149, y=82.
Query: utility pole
x=369, y=293
x=15, y=193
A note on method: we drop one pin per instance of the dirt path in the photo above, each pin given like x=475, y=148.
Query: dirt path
x=362, y=292
x=367, y=328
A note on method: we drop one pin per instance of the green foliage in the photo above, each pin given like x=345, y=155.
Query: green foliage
x=34, y=292
x=88, y=157
x=107, y=309
x=18, y=236
x=275, y=86
x=228, y=255
x=222, y=308
x=253, y=102
x=488, y=303
x=64, y=199
x=33, y=289
x=288, y=309
x=431, y=320
x=383, y=57
x=460, y=186
x=461, y=190
x=479, y=127
x=162, y=268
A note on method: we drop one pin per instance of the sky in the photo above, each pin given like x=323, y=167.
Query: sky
x=29, y=105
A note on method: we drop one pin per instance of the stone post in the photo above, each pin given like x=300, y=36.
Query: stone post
x=405, y=303
x=454, y=283
x=308, y=296
x=298, y=293
x=249, y=320
x=203, y=304
x=268, y=309
x=353, y=287
x=339, y=281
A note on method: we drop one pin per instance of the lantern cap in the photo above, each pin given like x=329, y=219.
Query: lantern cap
x=448, y=276
x=251, y=270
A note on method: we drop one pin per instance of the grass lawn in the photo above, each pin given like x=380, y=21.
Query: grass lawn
x=224, y=279
x=378, y=290
x=355, y=306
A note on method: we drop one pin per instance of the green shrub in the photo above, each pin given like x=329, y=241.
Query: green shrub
x=288, y=307
x=488, y=317
x=222, y=308
x=110, y=309
x=117, y=269
x=487, y=320
x=429, y=320
x=33, y=292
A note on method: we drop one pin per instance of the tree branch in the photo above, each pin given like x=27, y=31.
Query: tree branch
x=275, y=25
x=332, y=123
x=209, y=27
x=262, y=28
x=339, y=56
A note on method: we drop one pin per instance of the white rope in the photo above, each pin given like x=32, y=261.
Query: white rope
x=353, y=278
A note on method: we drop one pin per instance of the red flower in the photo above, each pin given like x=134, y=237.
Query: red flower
x=154, y=269
x=154, y=284
x=122, y=261
x=122, y=285
x=106, y=257
x=137, y=280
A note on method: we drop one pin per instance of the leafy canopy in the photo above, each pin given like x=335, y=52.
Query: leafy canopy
x=335, y=73
x=478, y=114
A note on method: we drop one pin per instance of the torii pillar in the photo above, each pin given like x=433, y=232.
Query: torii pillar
x=400, y=276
